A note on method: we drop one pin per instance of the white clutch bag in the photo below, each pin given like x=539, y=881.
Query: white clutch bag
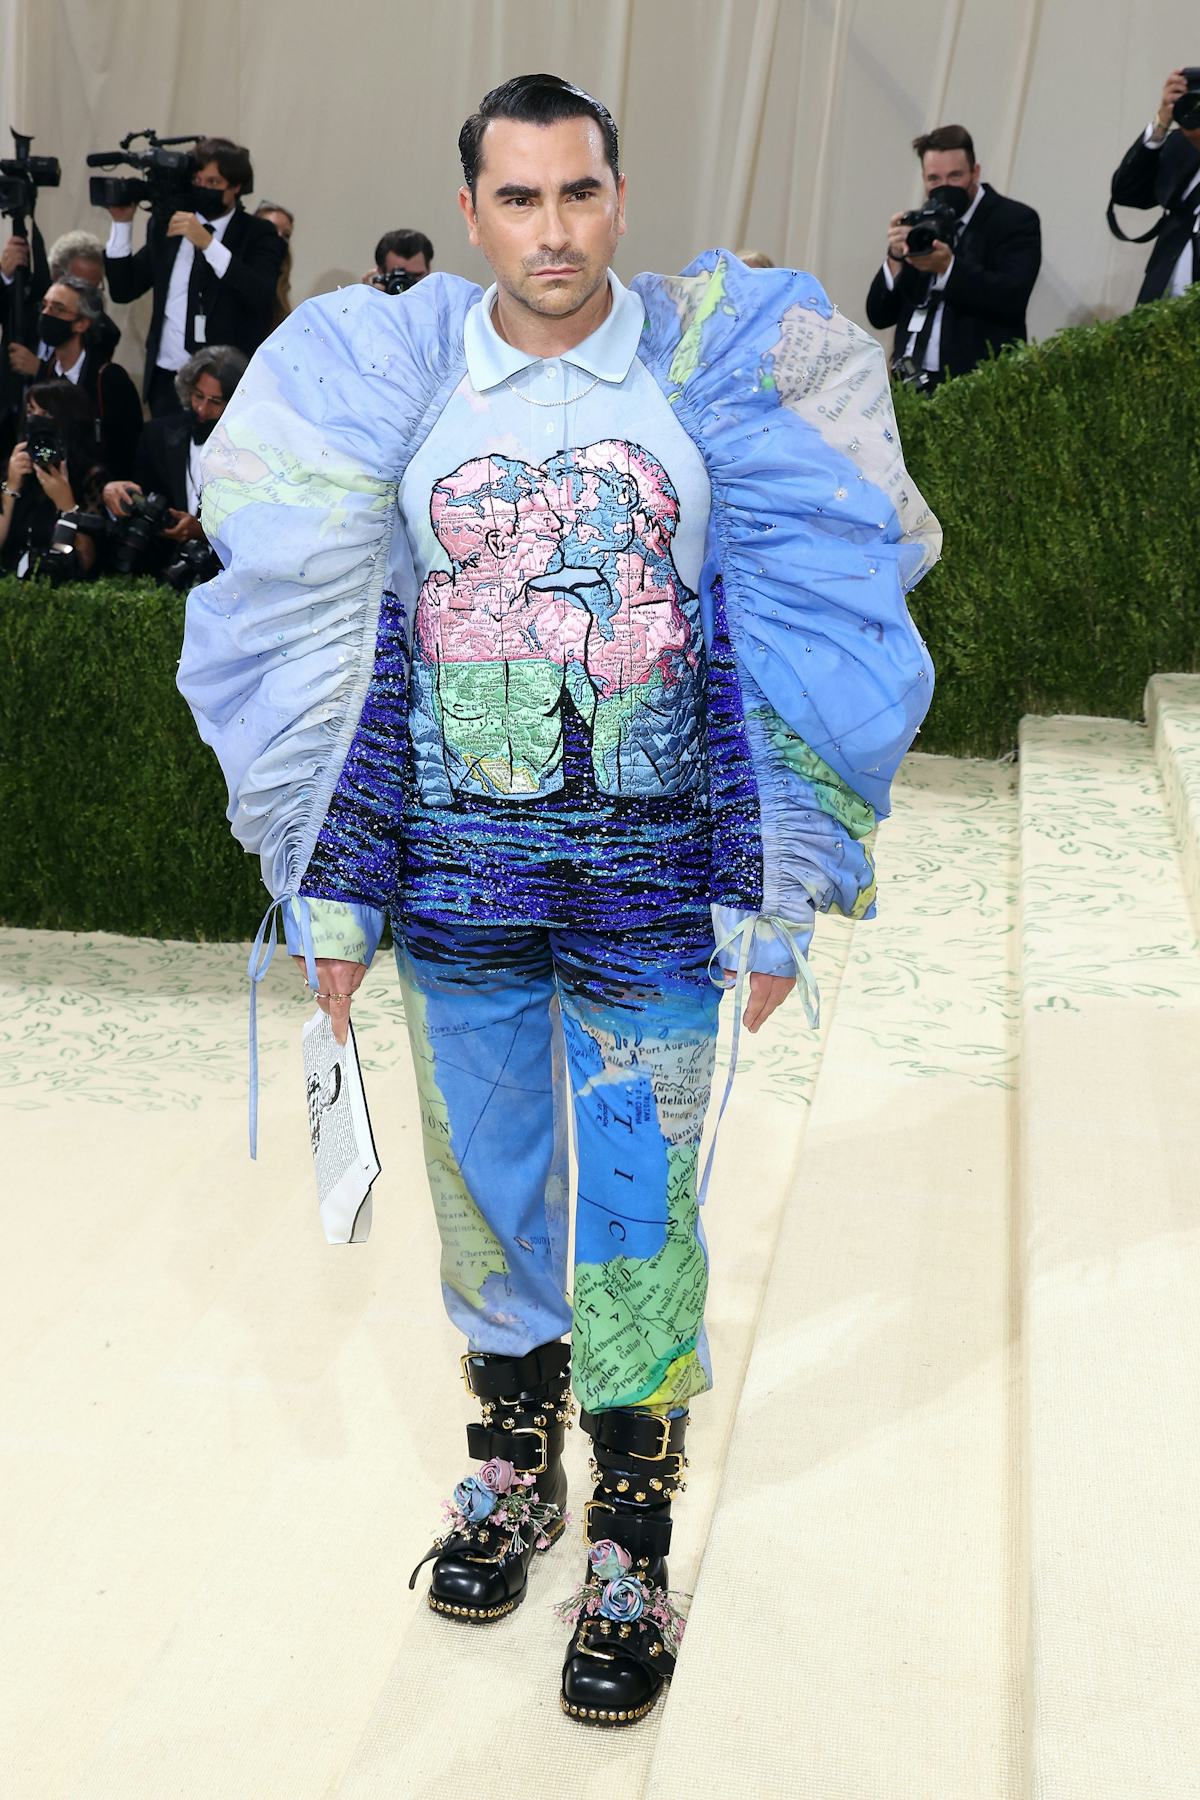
x=339, y=1129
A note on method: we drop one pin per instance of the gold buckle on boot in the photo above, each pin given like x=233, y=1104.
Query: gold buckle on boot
x=586, y=1648
x=660, y=1455
x=537, y=1432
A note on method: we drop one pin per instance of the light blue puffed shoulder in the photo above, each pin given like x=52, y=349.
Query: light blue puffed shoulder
x=299, y=501
x=817, y=535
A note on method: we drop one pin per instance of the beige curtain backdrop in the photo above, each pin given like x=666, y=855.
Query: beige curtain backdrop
x=780, y=123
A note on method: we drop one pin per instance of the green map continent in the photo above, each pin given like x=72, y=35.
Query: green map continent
x=471, y=1252
x=637, y=1320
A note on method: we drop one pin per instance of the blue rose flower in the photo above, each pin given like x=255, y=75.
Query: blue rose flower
x=623, y=1600
x=474, y=1501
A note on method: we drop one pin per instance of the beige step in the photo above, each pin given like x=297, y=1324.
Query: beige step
x=1173, y=717
x=1110, y=1153
x=855, y=1632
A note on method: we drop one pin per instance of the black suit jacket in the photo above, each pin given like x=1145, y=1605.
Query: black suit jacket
x=161, y=464
x=115, y=401
x=238, y=306
x=996, y=262
x=1159, y=178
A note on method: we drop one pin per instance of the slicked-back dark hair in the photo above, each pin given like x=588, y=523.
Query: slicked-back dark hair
x=946, y=137
x=403, y=242
x=533, y=100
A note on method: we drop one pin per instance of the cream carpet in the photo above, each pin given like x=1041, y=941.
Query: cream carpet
x=923, y=1564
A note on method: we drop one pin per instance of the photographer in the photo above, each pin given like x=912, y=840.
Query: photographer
x=71, y=324
x=168, y=460
x=1163, y=169
x=52, y=471
x=284, y=221
x=16, y=255
x=958, y=297
x=398, y=254
x=214, y=270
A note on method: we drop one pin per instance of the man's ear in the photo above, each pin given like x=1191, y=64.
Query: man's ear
x=468, y=211
x=621, y=206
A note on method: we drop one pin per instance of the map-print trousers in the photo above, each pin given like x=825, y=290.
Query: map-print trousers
x=501, y=1019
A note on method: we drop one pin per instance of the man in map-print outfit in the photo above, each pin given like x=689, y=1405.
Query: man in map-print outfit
x=566, y=624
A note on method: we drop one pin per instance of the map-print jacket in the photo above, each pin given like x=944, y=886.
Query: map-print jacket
x=816, y=535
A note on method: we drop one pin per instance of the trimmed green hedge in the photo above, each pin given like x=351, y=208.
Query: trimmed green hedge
x=1065, y=476
x=113, y=810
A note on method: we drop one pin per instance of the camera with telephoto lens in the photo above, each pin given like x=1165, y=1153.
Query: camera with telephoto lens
x=45, y=442
x=936, y=221
x=135, y=536
x=1187, y=107
x=396, y=281
x=22, y=175
x=197, y=561
x=165, y=182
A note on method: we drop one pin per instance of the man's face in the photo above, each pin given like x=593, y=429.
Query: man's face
x=208, y=402
x=412, y=265
x=950, y=168
x=547, y=213
x=87, y=268
x=211, y=177
x=63, y=303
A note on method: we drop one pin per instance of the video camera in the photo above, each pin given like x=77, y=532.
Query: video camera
x=936, y=221
x=166, y=178
x=22, y=175
x=1187, y=107
x=395, y=281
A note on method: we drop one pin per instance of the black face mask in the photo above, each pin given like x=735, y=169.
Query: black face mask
x=208, y=202
x=954, y=199
x=54, y=331
x=201, y=429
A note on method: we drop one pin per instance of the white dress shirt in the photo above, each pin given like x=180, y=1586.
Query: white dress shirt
x=933, y=349
x=1183, y=274
x=74, y=372
x=172, y=349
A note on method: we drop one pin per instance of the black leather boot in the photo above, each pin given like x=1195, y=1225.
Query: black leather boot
x=513, y=1506
x=628, y=1630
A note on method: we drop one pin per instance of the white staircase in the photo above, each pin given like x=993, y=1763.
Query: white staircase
x=942, y=1523
x=956, y=1551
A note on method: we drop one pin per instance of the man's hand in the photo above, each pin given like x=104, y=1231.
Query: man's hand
x=937, y=261
x=766, y=993
x=183, y=528
x=24, y=361
x=117, y=497
x=122, y=214
x=14, y=256
x=337, y=983
x=897, y=245
x=187, y=225
x=19, y=465
x=1173, y=89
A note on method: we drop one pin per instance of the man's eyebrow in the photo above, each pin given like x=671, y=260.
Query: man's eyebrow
x=514, y=190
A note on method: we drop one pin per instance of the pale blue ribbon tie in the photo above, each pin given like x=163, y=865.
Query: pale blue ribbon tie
x=810, y=998
x=262, y=951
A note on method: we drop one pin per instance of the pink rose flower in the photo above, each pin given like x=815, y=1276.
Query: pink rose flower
x=496, y=1476
x=609, y=1561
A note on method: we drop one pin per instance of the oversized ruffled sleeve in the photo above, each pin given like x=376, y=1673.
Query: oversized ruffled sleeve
x=281, y=652
x=818, y=533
